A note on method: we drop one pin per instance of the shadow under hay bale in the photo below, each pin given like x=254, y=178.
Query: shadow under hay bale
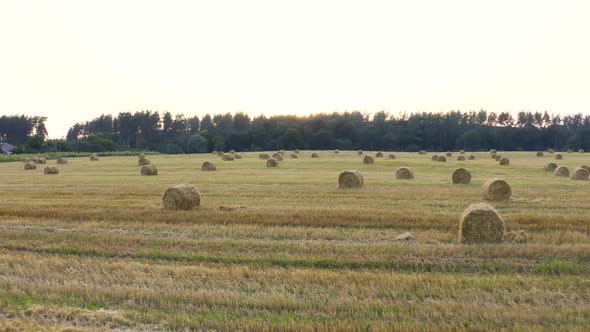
x=181, y=197
x=461, y=176
x=148, y=170
x=350, y=180
x=208, y=167
x=404, y=173
x=368, y=160
x=496, y=190
x=481, y=223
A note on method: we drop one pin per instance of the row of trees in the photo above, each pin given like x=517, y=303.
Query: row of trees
x=16, y=129
x=147, y=130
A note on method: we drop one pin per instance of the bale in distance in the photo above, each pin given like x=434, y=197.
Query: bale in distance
x=49, y=170
x=493, y=151
x=359, y=152
x=368, y=160
x=461, y=176
x=441, y=159
x=462, y=152
x=220, y=153
x=379, y=155
x=496, y=190
x=141, y=155
x=315, y=155
x=580, y=173
x=581, y=151
x=293, y=155
x=94, y=158
x=493, y=155
x=559, y=156
x=282, y=152
x=214, y=152
x=350, y=180
x=30, y=166
x=391, y=156
x=208, y=166
x=550, y=167
x=232, y=151
x=562, y=171
x=40, y=161
x=404, y=173
x=264, y=156
x=149, y=170
x=471, y=157
x=62, y=161
x=296, y=151
x=422, y=152
x=143, y=161
x=570, y=150
x=461, y=158
x=181, y=197
x=278, y=156
x=540, y=154
x=336, y=151
x=272, y=162
x=237, y=156
x=550, y=150
x=481, y=223
x=227, y=157
x=449, y=154
x=434, y=157
x=504, y=161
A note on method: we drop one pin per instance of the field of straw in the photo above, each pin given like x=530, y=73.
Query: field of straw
x=92, y=247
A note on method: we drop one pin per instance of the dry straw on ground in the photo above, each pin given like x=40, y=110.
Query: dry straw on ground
x=562, y=171
x=315, y=155
x=496, y=190
x=441, y=159
x=148, y=170
x=434, y=157
x=227, y=157
x=62, y=161
x=350, y=180
x=519, y=236
x=181, y=197
x=379, y=154
x=208, y=166
x=368, y=160
x=30, y=166
x=272, y=162
x=550, y=167
x=461, y=176
x=404, y=173
x=51, y=170
x=540, y=154
x=263, y=156
x=143, y=161
x=391, y=156
x=558, y=156
x=481, y=223
x=461, y=158
x=471, y=157
x=504, y=161
x=580, y=173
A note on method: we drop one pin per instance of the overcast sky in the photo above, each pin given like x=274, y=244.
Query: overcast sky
x=73, y=60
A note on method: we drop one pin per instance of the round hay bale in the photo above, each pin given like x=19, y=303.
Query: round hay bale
x=562, y=171
x=441, y=159
x=143, y=161
x=581, y=151
x=272, y=162
x=496, y=190
x=296, y=151
x=504, y=161
x=449, y=154
x=93, y=154
x=315, y=155
x=264, y=156
x=379, y=155
x=208, y=166
x=404, y=173
x=237, y=156
x=586, y=167
x=461, y=158
x=359, y=152
x=550, y=150
x=391, y=156
x=462, y=152
x=368, y=160
x=498, y=157
x=278, y=156
x=227, y=157
x=471, y=157
x=94, y=158
x=493, y=155
x=51, y=170
x=550, y=167
x=40, y=161
x=62, y=161
x=214, y=152
x=149, y=170
x=493, y=151
x=30, y=166
x=336, y=151
x=434, y=157
x=293, y=155
x=140, y=156
x=481, y=223
x=181, y=197
x=559, y=156
x=580, y=173
x=350, y=180
x=540, y=154
x=422, y=152
x=461, y=176
x=232, y=151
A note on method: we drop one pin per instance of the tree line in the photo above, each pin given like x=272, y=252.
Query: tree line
x=454, y=130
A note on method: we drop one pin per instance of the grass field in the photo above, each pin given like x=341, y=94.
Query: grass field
x=92, y=247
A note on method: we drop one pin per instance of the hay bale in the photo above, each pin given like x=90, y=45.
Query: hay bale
x=496, y=190
x=519, y=236
x=143, y=161
x=272, y=162
x=493, y=155
x=462, y=152
x=580, y=173
x=504, y=161
x=493, y=151
x=264, y=156
x=461, y=158
x=237, y=156
x=434, y=157
x=550, y=150
x=227, y=157
x=559, y=156
x=441, y=159
x=359, y=152
x=277, y=156
x=336, y=151
x=449, y=154
x=368, y=160
x=562, y=171
x=140, y=156
x=40, y=161
x=404, y=173
x=422, y=152
x=461, y=176
x=30, y=166
x=471, y=157
x=581, y=151
x=94, y=158
x=293, y=155
x=181, y=197
x=586, y=167
x=315, y=155
x=232, y=151
x=208, y=167
x=391, y=156
x=379, y=155
x=540, y=154
x=296, y=151
x=49, y=170
x=214, y=152
x=149, y=170
x=550, y=167
x=350, y=180
x=481, y=223
x=62, y=161
x=498, y=157
x=220, y=153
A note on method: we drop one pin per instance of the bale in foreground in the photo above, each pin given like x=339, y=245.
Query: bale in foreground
x=51, y=170
x=481, y=223
x=461, y=175
x=562, y=171
x=368, y=160
x=496, y=190
x=404, y=173
x=580, y=174
x=272, y=162
x=208, y=166
x=350, y=180
x=149, y=170
x=181, y=197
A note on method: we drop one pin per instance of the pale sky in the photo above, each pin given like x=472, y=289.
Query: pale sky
x=74, y=60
